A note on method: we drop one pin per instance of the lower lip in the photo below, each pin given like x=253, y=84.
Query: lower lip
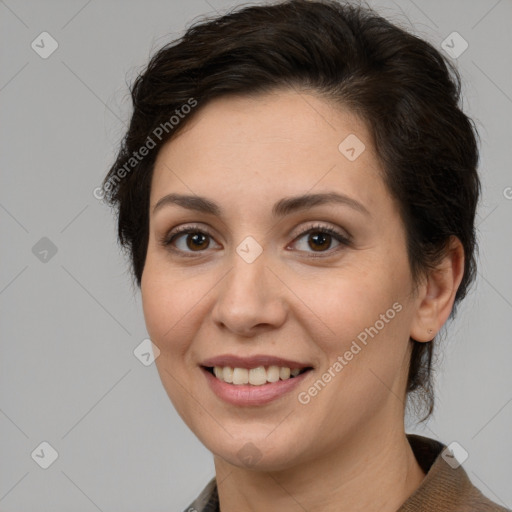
x=247, y=394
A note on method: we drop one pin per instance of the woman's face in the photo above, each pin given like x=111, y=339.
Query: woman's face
x=246, y=281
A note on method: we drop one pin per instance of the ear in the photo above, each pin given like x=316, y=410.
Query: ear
x=436, y=294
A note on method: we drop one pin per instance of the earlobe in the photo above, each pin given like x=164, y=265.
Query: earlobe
x=437, y=293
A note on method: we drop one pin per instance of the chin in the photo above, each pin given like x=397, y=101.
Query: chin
x=255, y=449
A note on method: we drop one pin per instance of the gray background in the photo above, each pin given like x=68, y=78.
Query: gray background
x=70, y=324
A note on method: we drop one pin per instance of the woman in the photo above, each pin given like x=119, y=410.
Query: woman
x=297, y=192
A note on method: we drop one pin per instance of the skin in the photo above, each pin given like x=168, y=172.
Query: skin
x=246, y=153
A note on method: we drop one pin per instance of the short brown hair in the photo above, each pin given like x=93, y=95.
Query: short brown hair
x=404, y=89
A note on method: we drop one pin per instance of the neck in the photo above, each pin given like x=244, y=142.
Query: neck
x=374, y=472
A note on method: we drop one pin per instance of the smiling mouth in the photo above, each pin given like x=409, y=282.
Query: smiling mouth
x=258, y=376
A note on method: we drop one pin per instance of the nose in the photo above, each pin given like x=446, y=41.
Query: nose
x=250, y=299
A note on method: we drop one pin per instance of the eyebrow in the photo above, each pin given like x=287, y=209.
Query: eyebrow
x=281, y=208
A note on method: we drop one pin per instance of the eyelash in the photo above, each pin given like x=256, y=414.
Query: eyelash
x=168, y=239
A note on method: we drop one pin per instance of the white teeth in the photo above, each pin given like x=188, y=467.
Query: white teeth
x=255, y=376
x=273, y=373
x=227, y=374
x=240, y=376
x=284, y=373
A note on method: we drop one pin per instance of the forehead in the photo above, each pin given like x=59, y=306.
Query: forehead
x=270, y=145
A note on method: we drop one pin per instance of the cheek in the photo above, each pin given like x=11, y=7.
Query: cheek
x=168, y=307
x=354, y=301
x=365, y=350
x=368, y=315
x=168, y=304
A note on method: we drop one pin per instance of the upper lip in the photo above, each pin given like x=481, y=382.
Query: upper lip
x=252, y=361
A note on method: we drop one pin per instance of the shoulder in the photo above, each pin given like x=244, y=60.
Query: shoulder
x=207, y=501
x=446, y=486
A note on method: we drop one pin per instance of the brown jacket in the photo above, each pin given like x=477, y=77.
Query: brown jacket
x=443, y=489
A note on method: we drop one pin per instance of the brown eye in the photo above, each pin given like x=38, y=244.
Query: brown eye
x=320, y=239
x=187, y=240
x=197, y=241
